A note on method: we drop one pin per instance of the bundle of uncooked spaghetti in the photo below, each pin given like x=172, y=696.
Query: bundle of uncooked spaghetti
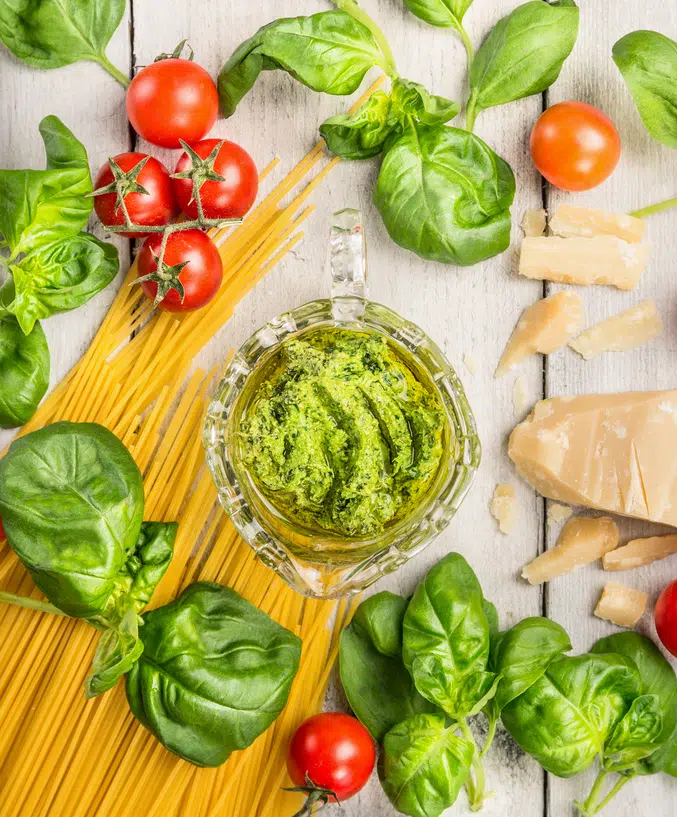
x=64, y=756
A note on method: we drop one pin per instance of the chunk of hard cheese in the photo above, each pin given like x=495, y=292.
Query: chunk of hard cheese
x=604, y=259
x=534, y=223
x=542, y=328
x=621, y=605
x=503, y=507
x=640, y=552
x=614, y=452
x=627, y=330
x=569, y=222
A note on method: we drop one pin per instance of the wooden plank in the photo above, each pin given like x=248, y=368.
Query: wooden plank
x=645, y=174
x=91, y=103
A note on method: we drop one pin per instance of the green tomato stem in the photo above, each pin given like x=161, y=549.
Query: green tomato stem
x=30, y=604
x=107, y=65
x=655, y=208
x=351, y=7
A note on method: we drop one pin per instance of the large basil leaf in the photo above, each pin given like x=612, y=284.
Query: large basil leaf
x=565, y=718
x=445, y=643
x=214, y=674
x=363, y=134
x=24, y=371
x=379, y=689
x=71, y=501
x=445, y=195
x=59, y=277
x=52, y=33
x=441, y=13
x=329, y=51
x=38, y=207
x=648, y=62
x=521, y=655
x=636, y=737
x=523, y=54
x=119, y=648
x=425, y=765
x=658, y=678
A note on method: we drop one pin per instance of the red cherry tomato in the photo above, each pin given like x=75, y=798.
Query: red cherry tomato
x=575, y=146
x=170, y=100
x=665, y=616
x=153, y=209
x=335, y=752
x=230, y=198
x=200, y=277
x=3, y=535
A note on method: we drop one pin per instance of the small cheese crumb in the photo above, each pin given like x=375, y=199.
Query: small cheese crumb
x=534, y=223
x=583, y=540
x=520, y=398
x=471, y=364
x=627, y=330
x=543, y=327
x=558, y=513
x=569, y=221
x=503, y=507
x=621, y=605
x=640, y=552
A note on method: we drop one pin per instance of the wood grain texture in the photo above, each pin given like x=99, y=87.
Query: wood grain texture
x=467, y=311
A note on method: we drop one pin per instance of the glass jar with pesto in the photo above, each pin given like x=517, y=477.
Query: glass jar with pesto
x=340, y=439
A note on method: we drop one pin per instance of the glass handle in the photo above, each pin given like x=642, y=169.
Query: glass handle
x=348, y=265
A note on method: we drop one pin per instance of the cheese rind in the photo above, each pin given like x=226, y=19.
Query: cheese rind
x=583, y=540
x=585, y=222
x=629, y=329
x=613, y=452
x=604, y=260
x=640, y=552
x=621, y=605
x=543, y=327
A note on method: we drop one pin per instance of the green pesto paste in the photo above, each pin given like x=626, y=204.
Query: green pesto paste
x=341, y=435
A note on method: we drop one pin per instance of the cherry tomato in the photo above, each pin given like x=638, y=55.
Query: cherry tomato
x=200, y=277
x=170, y=100
x=3, y=535
x=333, y=751
x=575, y=146
x=230, y=198
x=665, y=616
x=155, y=208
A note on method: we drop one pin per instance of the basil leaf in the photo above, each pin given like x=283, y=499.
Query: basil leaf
x=410, y=98
x=445, y=642
x=379, y=689
x=24, y=371
x=425, y=765
x=53, y=33
x=492, y=616
x=71, y=501
x=523, y=54
x=214, y=674
x=363, y=134
x=38, y=207
x=564, y=719
x=149, y=561
x=648, y=62
x=445, y=195
x=59, y=277
x=441, y=13
x=119, y=648
x=636, y=737
x=329, y=51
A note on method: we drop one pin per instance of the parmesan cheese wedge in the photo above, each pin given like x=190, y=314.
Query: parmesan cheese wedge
x=543, y=327
x=520, y=398
x=503, y=507
x=640, y=552
x=613, y=452
x=627, y=330
x=621, y=605
x=583, y=540
x=471, y=364
x=558, y=513
x=534, y=223
x=603, y=259
x=585, y=222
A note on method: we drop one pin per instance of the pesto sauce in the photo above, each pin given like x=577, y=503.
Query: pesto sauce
x=341, y=435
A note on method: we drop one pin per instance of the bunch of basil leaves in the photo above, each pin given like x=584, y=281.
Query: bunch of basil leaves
x=51, y=265
x=415, y=671
x=442, y=192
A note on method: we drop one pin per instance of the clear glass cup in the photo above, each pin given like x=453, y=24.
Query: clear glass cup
x=320, y=564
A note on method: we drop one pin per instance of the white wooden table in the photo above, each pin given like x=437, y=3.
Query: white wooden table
x=466, y=311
